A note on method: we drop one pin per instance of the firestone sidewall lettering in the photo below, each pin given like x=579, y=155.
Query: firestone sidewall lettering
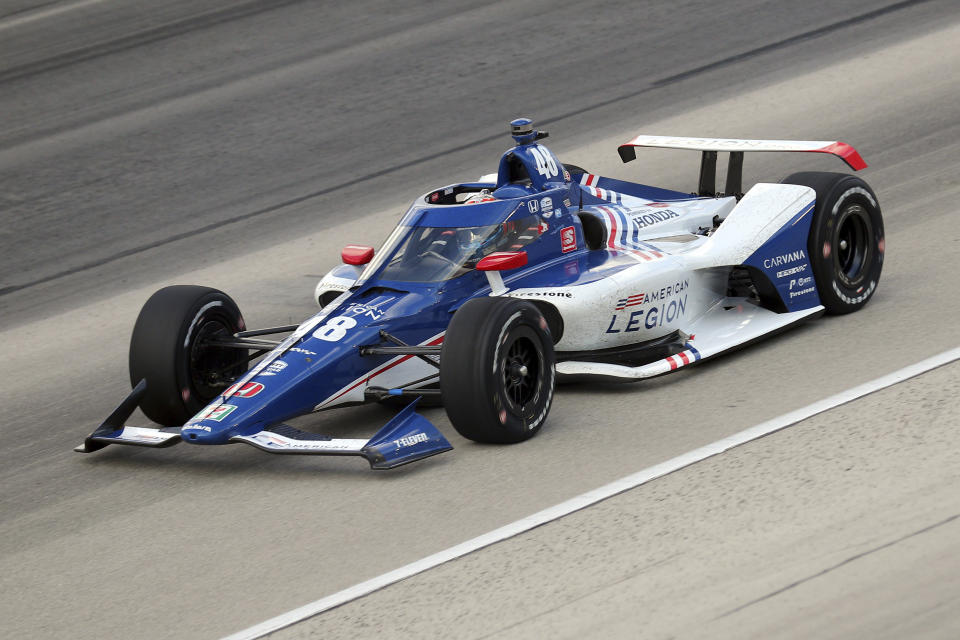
x=863, y=294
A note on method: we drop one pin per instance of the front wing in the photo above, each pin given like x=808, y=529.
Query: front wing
x=408, y=437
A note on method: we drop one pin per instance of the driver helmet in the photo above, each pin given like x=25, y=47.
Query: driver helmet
x=483, y=195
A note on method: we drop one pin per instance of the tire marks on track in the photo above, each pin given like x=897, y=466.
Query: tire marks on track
x=145, y=36
x=260, y=6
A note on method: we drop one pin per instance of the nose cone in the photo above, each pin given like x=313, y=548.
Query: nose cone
x=323, y=361
x=212, y=425
x=279, y=388
x=202, y=434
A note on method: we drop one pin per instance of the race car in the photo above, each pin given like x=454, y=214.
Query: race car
x=487, y=293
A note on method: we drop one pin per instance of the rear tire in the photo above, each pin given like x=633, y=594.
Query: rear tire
x=497, y=370
x=167, y=349
x=846, y=242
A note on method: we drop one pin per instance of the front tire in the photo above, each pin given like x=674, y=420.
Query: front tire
x=846, y=242
x=169, y=350
x=497, y=370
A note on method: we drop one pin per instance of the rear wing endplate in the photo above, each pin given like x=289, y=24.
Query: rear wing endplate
x=736, y=148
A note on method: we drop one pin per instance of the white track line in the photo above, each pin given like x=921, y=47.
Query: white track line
x=592, y=497
x=26, y=17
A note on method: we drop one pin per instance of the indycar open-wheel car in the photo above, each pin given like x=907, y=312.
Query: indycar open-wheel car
x=488, y=293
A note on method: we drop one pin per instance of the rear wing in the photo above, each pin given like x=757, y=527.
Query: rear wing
x=736, y=148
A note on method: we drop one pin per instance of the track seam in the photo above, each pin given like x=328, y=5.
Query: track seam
x=840, y=564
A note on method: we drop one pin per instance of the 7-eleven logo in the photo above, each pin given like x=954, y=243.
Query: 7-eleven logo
x=215, y=414
x=248, y=390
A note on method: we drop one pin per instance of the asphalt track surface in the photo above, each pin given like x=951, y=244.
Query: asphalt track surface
x=239, y=145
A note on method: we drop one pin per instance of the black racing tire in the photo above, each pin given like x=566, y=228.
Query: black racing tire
x=846, y=242
x=167, y=350
x=497, y=370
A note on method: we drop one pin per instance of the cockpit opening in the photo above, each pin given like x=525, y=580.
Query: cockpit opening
x=436, y=254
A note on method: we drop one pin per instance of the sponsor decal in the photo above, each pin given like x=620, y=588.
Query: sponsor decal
x=566, y=202
x=247, y=390
x=568, y=239
x=410, y=440
x=198, y=427
x=305, y=352
x=269, y=439
x=800, y=282
x=652, y=296
x=215, y=414
x=685, y=143
x=792, y=270
x=649, y=318
x=642, y=220
x=669, y=290
x=543, y=228
x=566, y=177
x=659, y=205
x=796, y=294
x=541, y=294
x=546, y=206
x=630, y=301
x=139, y=434
x=784, y=259
x=275, y=367
x=368, y=311
x=533, y=206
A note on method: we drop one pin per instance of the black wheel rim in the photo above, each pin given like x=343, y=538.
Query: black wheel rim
x=210, y=366
x=520, y=370
x=852, y=246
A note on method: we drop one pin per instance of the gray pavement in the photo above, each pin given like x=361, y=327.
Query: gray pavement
x=245, y=118
x=846, y=525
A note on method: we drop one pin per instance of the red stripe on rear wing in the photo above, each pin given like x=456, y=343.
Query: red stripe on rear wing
x=840, y=149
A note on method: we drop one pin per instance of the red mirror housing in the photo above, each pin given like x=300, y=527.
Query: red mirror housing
x=503, y=261
x=356, y=254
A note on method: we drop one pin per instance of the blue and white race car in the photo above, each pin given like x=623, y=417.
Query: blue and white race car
x=487, y=293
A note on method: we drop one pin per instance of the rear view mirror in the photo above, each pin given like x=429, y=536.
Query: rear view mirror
x=503, y=261
x=356, y=254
